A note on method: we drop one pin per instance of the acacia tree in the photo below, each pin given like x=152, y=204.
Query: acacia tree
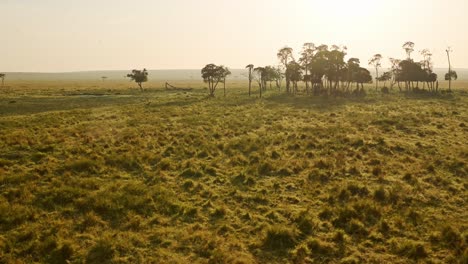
x=139, y=77
x=225, y=72
x=426, y=63
x=284, y=55
x=261, y=77
x=375, y=61
x=386, y=76
x=294, y=74
x=451, y=75
x=394, y=70
x=250, y=67
x=2, y=76
x=408, y=47
x=306, y=57
x=212, y=74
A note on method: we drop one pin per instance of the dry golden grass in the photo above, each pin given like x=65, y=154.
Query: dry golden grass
x=101, y=173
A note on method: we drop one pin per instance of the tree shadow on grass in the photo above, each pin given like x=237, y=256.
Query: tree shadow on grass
x=316, y=102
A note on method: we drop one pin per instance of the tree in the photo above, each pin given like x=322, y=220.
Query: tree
x=139, y=77
x=451, y=75
x=386, y=76
x=2, y=76
x=261, y=76
x=213, y=74
x=294, y=74
x=375, y=61
x=408, y=47
x=250, y=67
x=104, y=78
x=224, y=72
x=394, y=70
x=284, y=55
x=306, y=57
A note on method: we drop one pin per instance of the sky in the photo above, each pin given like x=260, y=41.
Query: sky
x=84, y=35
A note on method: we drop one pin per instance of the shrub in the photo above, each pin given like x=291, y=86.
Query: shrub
x=279, y=238
x=408, y=248
x=451, y=237
x=380, y=195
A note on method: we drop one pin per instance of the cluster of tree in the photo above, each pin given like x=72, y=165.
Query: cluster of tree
x=323, y=69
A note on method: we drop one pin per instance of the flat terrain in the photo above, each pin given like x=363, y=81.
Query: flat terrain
x=99, y=172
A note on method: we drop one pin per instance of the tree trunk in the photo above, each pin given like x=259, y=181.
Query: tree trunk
x=376, y=78
x=450, y=70
x=141, y=88
x=224, y=86
x=250, y=80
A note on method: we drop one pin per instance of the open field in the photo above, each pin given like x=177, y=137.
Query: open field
x=98, y=172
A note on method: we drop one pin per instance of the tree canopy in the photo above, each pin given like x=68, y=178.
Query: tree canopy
x=139, y=77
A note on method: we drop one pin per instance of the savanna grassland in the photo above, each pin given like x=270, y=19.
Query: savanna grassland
x=100, y=173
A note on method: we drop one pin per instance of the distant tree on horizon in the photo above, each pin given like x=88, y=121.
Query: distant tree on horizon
x=250, y=67
x=2, y=76
x=307, y=55
x=261, y=77
x=104, y=78
x=451, y=74
x=375, y=62
x=213, y=75
x=409, y=48
x=284, y=54
x=225, y=72
x=139, y=77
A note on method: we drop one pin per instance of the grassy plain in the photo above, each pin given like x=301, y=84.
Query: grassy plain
x=98, y=172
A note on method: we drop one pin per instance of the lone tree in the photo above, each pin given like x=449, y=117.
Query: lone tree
x=375, y=61
x=250, y=67
x=103, y=78
x=2, y=76
x=450, y=75
x=213, y=74
x=139, y=77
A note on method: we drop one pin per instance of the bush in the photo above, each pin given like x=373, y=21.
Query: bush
x=279, y=238
x=408, y=248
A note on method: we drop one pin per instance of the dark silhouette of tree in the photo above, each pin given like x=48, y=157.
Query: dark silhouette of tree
x=307, y=55
x=451, y=75
x=2, y=76
x=426, y=63
x=213, y=74
x=104, y=78
x=139, y=77
x=294, y=74
x=394, y=70
x=261, y=77
x=284, y=55
x=409, y=48
x=225, y=72
x=362, y=76
x=250, y=67
x=411, y=72
x=386, y=76
x=375, y=62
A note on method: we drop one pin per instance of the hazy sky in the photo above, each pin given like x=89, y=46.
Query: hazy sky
x=73, y=35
